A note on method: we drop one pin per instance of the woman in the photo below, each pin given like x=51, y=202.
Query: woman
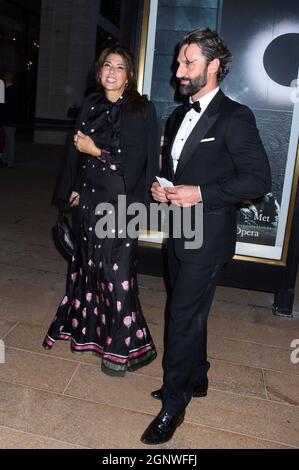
x=116, y=153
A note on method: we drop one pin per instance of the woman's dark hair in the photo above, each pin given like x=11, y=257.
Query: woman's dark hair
x=212, y=47
x=134, y=100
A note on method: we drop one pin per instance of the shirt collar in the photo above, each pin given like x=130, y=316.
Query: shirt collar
x=206, y=99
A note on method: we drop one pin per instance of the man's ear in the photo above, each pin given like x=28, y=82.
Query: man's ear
x=214, y=66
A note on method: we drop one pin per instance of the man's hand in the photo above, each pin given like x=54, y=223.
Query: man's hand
x=74, y=199
x=85, y=144
x=158, y=193
x=183, y=195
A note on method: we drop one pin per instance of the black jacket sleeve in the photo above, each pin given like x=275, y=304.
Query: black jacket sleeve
x=139, y=140
x=69, y=179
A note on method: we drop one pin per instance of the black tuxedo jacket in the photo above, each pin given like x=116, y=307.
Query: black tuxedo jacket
x=229, y=168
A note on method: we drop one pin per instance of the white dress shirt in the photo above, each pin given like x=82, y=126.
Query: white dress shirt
x=189, y=122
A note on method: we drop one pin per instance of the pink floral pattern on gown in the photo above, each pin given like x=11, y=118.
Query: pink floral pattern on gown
x=101, y=312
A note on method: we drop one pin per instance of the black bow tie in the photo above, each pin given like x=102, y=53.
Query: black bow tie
x=195, y=106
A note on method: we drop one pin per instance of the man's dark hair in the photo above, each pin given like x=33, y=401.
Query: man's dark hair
x=212, y=47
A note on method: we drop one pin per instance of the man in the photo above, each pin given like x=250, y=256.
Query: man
x=8, y=117
x=215, y=157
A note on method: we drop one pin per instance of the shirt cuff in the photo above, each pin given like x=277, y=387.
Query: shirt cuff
x=200, y=194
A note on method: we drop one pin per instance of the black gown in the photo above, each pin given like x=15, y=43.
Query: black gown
x=101, y=311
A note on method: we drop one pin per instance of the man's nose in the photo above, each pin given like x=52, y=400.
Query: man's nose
x=180, y=71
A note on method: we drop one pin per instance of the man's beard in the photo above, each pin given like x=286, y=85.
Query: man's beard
x=194, y=85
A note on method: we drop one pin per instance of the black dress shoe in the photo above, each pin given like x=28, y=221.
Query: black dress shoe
x=162, y=428
x=199, y=391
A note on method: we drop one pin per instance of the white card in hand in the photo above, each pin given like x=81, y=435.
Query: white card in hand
x=165, y=183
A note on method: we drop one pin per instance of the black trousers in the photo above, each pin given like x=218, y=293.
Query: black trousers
x=193, y=287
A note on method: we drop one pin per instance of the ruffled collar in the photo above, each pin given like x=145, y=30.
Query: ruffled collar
x=120, y=100
x=102, y=112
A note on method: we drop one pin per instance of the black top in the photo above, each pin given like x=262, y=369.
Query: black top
x=131, y=140
x=103, y=126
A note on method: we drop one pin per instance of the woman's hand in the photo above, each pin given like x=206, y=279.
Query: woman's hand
x=85, y=144
x=74, y=199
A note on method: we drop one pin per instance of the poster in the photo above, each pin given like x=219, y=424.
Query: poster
x=264, y=75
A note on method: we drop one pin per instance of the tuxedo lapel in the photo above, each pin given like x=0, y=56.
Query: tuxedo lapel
x=205, y=122
x=171, y=133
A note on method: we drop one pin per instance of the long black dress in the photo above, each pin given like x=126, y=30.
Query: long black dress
x=101, y=312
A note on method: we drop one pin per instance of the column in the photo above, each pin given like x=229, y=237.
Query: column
x=66, y=56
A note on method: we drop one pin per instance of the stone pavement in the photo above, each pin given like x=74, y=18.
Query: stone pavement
x=60, y=400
